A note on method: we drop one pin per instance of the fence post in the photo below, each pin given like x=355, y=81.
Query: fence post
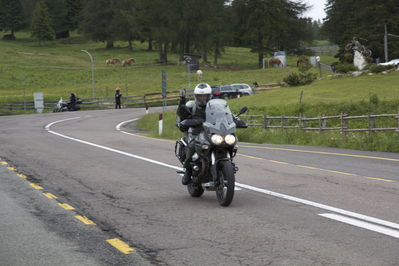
x=265, y=121
x=304, y=122
x=346, y=122
x=398, y=122
x=282, y=122
x=319, y=123
x=341, y=118
x=324, y=125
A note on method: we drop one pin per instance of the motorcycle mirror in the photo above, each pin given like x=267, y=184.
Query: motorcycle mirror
x=243, y=110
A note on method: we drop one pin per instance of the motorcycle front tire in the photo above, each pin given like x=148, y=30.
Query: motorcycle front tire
x=225, y=191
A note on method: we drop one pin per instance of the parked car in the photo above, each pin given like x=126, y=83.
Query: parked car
x=224, y=92
x=393, y=62
x=243, y=89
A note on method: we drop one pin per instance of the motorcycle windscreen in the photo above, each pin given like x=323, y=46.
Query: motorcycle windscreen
x=219, y=119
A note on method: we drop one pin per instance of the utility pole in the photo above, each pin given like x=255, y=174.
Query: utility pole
x=386, y=43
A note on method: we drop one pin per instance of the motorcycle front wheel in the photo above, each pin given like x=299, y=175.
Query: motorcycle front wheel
x=225, y=190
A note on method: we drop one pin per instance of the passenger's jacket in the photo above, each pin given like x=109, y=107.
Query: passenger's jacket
x=190, y=114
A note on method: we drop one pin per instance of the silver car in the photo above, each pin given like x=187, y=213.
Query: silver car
x=243, y=89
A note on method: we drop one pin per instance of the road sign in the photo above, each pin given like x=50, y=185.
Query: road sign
x=39, y=102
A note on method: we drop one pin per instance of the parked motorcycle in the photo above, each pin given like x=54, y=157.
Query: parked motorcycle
x=63, y=106
x=215, y=147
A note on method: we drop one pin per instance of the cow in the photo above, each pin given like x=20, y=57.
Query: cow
x=112, y=61
x=275, y=60
x=301, y=60
x=127, y=62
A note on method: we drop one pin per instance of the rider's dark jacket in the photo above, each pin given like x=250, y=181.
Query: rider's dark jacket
x=190, y=114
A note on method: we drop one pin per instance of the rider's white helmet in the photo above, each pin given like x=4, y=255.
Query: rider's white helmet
x=202, y=93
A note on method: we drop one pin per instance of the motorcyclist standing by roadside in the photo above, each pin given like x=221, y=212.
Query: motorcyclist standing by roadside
x=191, y=115
x=72, y=101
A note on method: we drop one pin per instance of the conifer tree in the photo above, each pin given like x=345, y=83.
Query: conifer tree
x=41, y=27
x=11, y=15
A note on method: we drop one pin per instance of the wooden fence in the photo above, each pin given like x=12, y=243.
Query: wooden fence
x=144, y=100
x=320, y=123
x=108, y=102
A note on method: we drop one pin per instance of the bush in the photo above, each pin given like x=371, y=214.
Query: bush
x=295, y=79
x=378, y=68
x=344, y=68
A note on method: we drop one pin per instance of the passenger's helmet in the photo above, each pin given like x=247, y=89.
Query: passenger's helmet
x=202, y=93
x=118, y=89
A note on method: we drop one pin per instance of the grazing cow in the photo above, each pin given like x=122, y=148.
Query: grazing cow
x=127, y=62
x=275, y=60
x=112, y=61
x=301, y=60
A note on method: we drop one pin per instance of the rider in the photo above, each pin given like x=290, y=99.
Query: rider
x=72, y=101
x=192, y=115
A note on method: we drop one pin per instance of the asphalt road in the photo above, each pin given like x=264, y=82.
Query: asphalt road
x=295, y=205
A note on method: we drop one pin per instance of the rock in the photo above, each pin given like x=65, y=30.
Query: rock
x=357, y=74
x=370, y=74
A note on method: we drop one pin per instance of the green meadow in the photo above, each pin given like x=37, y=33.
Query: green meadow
x=59, y=67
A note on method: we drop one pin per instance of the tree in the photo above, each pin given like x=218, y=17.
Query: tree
x=126, y=21
x=41, y=27
x=269, y=25
x=11, y=15
x=363, y=19
x=98, y=21
x=74, y=16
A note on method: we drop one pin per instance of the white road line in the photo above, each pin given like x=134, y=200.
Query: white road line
x=256, y=189
x=321, y=206
x=365, y=225
x=118, y=127
x=107, y=148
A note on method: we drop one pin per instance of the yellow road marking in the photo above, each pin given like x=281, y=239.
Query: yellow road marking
x=296, y=150
x=11, y=169
x=35, y=186
x=22, y=175
x=66, y=206
x=278, y=162
x=121, y=246
x=322, y=152
x=4, y=163
x=251, y=157
x=50, y=196
x=338, y=172
x=380, y=179
x=308, y=167
x=85, y=220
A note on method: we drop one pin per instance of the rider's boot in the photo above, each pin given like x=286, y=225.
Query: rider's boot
x=186, y=177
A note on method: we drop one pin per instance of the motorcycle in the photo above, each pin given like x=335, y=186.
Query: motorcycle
x=63, y=106
x=212, y=163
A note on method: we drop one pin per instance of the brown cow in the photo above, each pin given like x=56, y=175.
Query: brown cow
x=127, y=62
x=112, y=61
x=275, y=60
x=301, y=60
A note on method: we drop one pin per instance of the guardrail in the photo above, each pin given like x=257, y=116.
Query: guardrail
x=320, y=123
x=143, y=100
x=108, y=102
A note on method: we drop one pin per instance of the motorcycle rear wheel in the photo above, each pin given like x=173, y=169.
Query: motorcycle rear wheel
x=195, y=190
x=225, y=190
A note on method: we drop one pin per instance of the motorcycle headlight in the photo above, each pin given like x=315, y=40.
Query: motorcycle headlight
x=217, y=139
x=230, y=139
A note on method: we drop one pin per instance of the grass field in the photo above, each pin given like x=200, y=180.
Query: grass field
x=60, y=67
